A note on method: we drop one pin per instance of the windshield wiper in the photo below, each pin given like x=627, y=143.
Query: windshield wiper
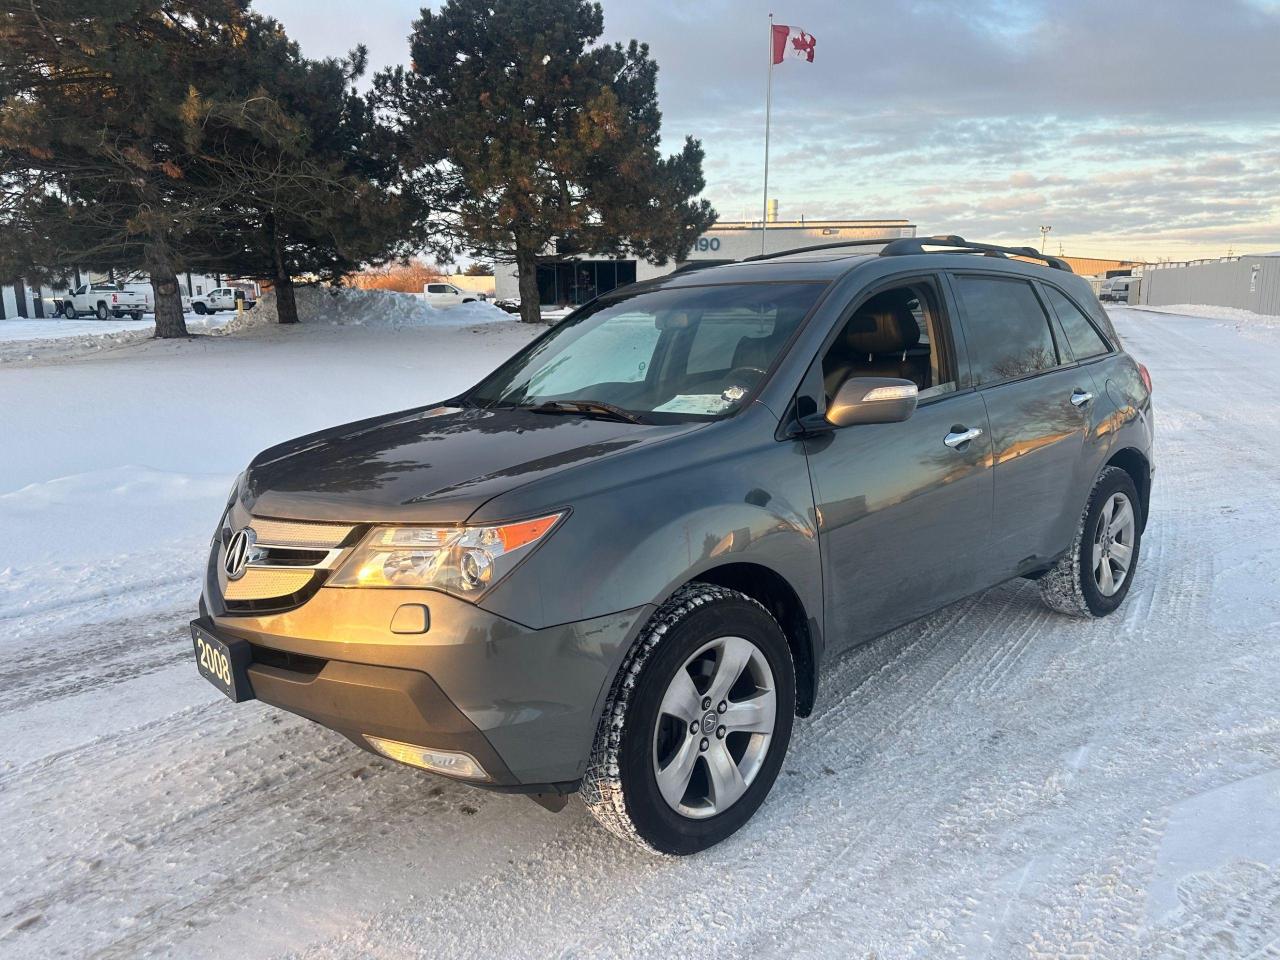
x=588, y=407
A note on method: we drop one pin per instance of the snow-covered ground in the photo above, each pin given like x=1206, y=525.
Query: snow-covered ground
x=57, y=338
x=994, y=781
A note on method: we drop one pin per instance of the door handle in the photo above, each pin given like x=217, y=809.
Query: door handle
x=1080, y=397
x=955, y=439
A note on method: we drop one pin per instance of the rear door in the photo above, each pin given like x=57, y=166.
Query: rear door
x=1039, y=403
x=904, y=512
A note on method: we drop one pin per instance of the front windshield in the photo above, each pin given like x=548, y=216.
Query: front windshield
x=691, y=351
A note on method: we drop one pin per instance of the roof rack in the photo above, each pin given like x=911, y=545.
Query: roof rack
x=903, y=246
x=820, y=246
x=910, y=245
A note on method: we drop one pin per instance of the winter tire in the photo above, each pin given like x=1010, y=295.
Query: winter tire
x=200, y=308
x=69, y=312
x=1094, y=576
x=103, y=312
x=137, y=314
x=697, y=723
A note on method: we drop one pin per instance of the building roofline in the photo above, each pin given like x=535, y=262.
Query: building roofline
x=805, y=224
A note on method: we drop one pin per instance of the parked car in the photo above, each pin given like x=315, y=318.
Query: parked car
x=220, y=298
x=622, y=562
x=1116, y=289
x=447, y=295
x=103, y=300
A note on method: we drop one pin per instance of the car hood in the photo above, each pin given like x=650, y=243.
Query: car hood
x=436, y=464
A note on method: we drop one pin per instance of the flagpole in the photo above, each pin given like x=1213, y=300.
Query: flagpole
x=768, y=109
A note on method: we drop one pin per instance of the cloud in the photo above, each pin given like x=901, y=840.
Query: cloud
x=1112, y=119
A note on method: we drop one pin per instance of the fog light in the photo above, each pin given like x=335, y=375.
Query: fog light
x=438, y=761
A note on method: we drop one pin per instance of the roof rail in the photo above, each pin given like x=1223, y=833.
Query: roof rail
x=902, y=246
x=911, y=245
x=820, y=246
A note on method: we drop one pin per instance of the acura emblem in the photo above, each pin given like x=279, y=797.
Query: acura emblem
x=238, y=552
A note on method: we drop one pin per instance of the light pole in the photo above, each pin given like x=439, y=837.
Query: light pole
x=1044, y=235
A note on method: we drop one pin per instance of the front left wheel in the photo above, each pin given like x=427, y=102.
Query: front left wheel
x=697, y=724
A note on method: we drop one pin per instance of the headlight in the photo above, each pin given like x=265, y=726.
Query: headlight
x=464, y=561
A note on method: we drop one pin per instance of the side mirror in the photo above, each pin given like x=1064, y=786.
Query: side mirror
x=872, y=400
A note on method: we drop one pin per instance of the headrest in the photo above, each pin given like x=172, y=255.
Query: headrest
x=884, y=324
x=758, y=352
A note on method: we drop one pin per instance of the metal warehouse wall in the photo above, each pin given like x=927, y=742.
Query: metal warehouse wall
x=1251, y=283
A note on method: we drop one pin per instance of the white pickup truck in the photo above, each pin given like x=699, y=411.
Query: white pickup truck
x=221, y=298
x=447, y=295
x=104, y=300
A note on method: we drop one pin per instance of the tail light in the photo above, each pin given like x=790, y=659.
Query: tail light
x=1145, y=374
x=114, y=298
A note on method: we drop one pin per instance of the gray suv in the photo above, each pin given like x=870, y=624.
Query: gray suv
x=620, y=564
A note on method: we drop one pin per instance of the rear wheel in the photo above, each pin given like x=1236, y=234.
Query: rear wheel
x=103, y=312
x=697, y=724
x=1094, y=577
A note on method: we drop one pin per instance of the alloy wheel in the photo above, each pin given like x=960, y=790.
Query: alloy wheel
x=1113, y=544
x=714, y=727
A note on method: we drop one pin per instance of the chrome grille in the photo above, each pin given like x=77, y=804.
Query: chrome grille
x=287, y=558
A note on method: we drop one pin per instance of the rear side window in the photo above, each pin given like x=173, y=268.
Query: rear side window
x=1005, y=328
x=1084, y=340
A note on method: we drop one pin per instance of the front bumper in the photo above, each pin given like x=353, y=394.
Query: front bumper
x=524, y=703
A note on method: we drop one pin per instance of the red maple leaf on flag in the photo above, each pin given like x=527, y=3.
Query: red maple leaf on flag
x=804, y=44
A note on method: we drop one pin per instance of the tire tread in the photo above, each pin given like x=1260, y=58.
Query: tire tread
x=602, y=790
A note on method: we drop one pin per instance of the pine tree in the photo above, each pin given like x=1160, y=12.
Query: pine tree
x=321, y=193
x=184, y=135
x=528, y=135
x=95, y=166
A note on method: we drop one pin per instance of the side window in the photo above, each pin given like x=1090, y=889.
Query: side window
x=1082, y=338
x=437, y=288
x=79, y=291
x=1005, y=328
x=895, y=333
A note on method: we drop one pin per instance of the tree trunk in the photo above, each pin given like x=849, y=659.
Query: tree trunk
x=164, y=284
x=527, y=272
x=286, y=302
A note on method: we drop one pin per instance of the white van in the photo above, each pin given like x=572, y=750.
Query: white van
x=1116, y=289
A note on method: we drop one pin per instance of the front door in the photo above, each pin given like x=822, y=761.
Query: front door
x=904, y=509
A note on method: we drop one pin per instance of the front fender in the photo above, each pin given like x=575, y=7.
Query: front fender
x=646, y=521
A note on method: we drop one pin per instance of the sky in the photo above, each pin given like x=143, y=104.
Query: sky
x=1134, y=129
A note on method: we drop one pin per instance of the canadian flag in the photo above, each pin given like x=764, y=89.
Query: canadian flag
x=792, y=42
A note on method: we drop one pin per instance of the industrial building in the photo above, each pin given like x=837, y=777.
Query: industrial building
x=571, y=281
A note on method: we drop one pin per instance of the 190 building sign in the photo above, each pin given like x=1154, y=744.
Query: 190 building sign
x=707, y=244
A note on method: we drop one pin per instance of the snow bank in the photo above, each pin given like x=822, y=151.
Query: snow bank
x=38, y=339
x=57, y=338
x=1211, y=311
x=342, y=306
x=1250, y=325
